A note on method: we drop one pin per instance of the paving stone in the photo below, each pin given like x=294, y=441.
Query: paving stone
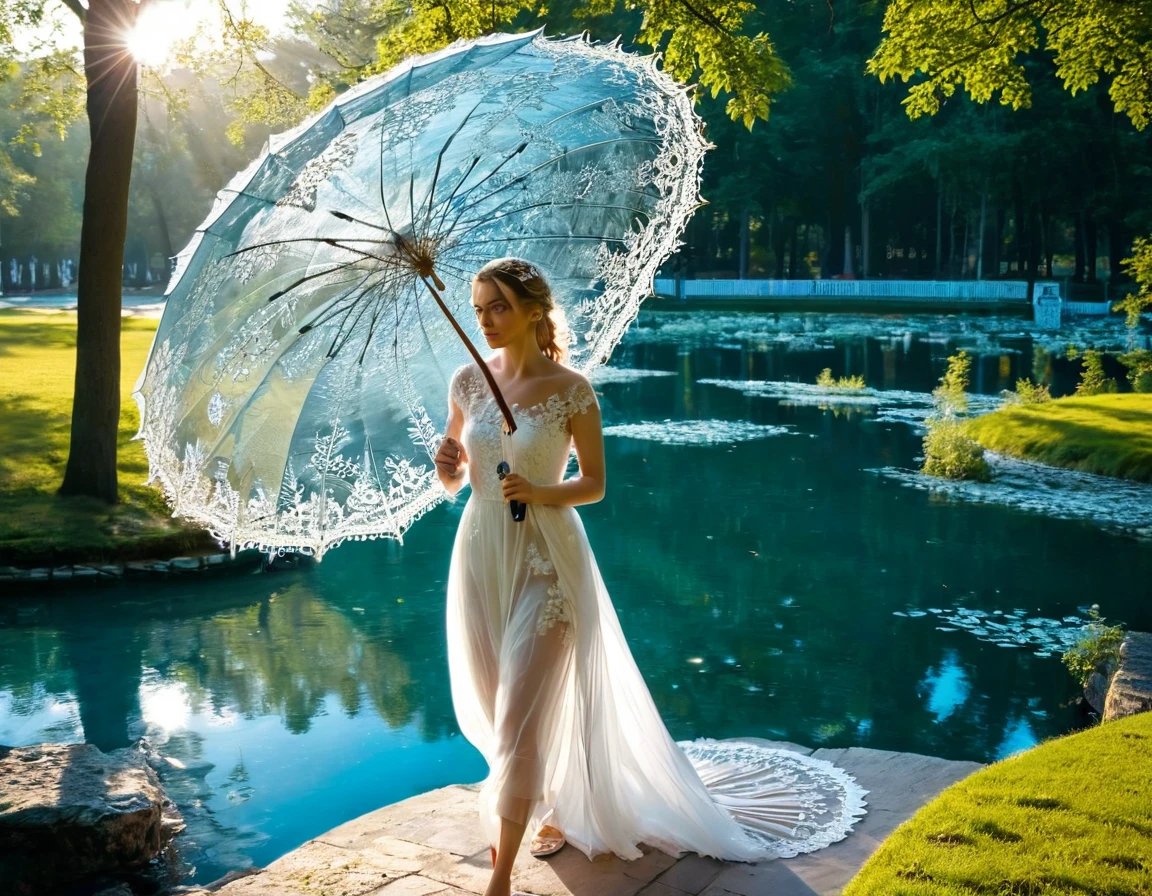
x=415, y=885
x=184, y=563
x=459, y=837
x=431, y=845
x=658, y=889
x=773, y=878
x=692, y=873
x=313, y=868
x=469, y=873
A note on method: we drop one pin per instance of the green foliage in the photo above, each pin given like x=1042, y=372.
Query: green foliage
x=1139, y=267
x=951, y=397
x=1028, y=392
x=707, y=39
x=1092, y=379
x=977, y=45
x=845, y=384
x=949, y=451
x=1097, y=651
x=1139, y=364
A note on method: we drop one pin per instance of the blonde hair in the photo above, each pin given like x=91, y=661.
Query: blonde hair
x=527, y=281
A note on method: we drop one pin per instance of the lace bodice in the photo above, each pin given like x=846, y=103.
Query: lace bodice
x=541, y=445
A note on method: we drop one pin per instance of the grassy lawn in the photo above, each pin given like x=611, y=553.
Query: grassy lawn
x=1109, y=434
x=37, y=367
x=1070, y=816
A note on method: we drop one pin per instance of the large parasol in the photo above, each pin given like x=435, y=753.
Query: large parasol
x=290, y=397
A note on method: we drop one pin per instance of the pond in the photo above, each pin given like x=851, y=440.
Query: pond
x=772, y=576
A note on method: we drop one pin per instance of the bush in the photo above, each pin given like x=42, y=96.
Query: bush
x=1028, y=393
x=826, y=381
x=951, y=453
x=1139, y=267
x=1092, y=380
x=951, y=396
x=1139, y=364
x=1097, y=651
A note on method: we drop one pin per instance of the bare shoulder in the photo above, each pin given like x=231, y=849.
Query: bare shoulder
x=569, y=378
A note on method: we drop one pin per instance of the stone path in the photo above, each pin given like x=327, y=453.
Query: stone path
x=431, y=844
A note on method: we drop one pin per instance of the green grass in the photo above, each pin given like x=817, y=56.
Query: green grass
x=1072, y=815
x=1109, y=434
x=37, y=367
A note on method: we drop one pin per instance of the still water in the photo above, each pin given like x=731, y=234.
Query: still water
x=771, y=579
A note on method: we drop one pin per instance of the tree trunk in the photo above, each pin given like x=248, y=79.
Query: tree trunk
x=980, y=233
x=111, y=104
x=964, y=266
x=939, y=225
x=1089, y=247
x=865, y=239
x=952, y=242
x=1078, y=239
x=1033, y=249
x=744, y=228
x=1118, y=249
x=794, y=249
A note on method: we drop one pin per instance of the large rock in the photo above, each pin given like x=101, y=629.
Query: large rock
x=1130, y=691
x=69, y=812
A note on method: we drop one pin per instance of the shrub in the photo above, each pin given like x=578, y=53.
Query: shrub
x=825, y=380
x=1139, y=364
x=1092, y=380
x=1097, y=651
x=1028, y=393
x=949, y=451
x=1139, y=267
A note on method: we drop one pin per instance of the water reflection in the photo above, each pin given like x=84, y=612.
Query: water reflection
x=757, y=580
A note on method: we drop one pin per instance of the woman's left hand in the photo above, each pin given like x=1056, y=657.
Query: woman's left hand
x=517, y=488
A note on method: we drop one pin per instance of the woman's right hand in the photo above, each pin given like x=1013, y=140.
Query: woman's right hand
x=451, y=457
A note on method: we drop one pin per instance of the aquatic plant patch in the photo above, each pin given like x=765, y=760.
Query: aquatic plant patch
x=696, y=432
x=1009, y=628
x=1118, y=505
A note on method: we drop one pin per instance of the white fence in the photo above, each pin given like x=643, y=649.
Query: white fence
x=951, y=290
x=1095, y=308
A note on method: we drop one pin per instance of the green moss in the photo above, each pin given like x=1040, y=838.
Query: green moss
x=1110, y=434
x=1069, y=816
x=37, y=527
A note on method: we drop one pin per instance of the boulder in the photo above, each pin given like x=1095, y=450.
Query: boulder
x=69, y=812
x=1130, y=690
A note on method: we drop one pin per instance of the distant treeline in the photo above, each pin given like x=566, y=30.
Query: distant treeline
x=837, y=182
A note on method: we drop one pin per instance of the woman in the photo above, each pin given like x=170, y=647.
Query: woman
x=543, y=682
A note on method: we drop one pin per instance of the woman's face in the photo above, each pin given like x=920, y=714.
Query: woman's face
x=502, y=319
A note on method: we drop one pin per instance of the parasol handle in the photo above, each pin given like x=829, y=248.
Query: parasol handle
x=497, y=394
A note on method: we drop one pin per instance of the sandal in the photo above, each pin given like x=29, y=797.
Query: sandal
x=548, y=840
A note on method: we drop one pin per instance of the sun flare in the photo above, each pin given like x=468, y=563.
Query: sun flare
x=157, y=29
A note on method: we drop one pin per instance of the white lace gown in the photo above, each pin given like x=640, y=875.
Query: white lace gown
x=545, y=686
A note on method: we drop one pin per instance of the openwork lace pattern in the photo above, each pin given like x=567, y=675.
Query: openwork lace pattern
x=238, y=326
x=540, y=566
x=831, y=802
